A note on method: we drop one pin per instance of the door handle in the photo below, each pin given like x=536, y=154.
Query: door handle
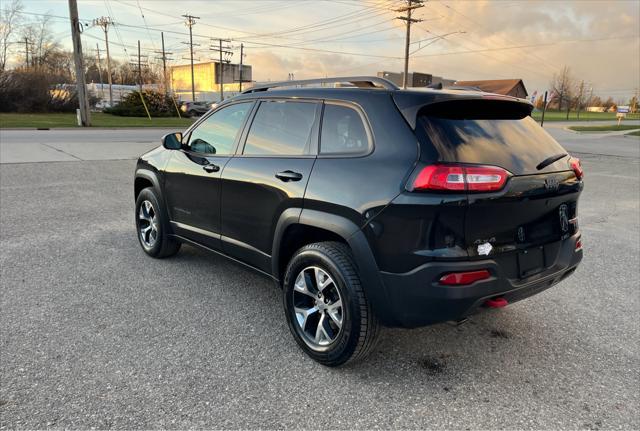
x=289, y=176
x=211, y=168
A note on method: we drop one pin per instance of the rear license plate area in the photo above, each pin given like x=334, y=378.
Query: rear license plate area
x=531, y=261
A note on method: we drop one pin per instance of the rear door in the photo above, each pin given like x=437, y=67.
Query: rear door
x=538, y=204
x=269, y=175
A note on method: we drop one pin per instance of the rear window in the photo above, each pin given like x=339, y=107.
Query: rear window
x=515, y=144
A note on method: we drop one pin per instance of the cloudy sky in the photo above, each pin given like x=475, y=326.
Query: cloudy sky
x=477, y=39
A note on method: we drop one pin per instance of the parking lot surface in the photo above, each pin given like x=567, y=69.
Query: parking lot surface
x=93, y=333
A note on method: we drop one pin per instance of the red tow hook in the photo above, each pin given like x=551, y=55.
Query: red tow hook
x=496, y=302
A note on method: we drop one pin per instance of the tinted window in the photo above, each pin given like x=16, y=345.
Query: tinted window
x=217, y=134
x=342, y=131
x=517, y=145
x=281, y=128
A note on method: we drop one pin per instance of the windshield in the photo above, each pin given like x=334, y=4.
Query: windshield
x=518, y=145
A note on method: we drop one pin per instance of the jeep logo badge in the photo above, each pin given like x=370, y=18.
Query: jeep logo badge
x=551, y=184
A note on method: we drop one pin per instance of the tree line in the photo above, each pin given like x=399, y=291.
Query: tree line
x=40, y=64
x=571, y=94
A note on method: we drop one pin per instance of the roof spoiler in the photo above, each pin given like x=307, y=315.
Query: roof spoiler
x=356, y=81
x=411, y=103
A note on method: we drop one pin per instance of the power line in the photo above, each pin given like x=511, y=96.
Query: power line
x=527, y=46
x=146, y=25
x=543, y=60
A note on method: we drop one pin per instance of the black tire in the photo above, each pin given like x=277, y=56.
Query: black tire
x=359, y=329
x=192, y=113
x=164, y=245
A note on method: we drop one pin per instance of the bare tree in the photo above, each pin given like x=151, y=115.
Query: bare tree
x=563, y=86
x=9, y=17
x=43, y=46
x=609, y=103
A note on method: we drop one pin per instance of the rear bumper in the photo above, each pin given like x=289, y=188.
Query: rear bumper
x=416, y=299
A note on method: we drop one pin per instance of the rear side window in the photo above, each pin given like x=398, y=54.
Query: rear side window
x=343, y=131
x=281, y=128
x=515, y=144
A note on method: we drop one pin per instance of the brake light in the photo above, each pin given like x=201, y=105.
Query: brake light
x=577, y=167
x=460, y=178
x=464, y=278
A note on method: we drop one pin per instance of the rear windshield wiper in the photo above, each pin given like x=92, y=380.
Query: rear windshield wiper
x=546, y=162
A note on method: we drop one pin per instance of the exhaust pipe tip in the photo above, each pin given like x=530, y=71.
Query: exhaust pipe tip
x=498, y=302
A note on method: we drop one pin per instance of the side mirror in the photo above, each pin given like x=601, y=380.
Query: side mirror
x=172, y=141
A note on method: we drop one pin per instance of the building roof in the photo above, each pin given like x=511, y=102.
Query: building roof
x=498, y=86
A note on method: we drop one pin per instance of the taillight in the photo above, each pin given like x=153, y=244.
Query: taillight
x=464, y=278
x=460, y=178
x=577, y=167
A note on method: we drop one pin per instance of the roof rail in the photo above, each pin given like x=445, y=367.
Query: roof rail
x=465, y=88
x=358, y=81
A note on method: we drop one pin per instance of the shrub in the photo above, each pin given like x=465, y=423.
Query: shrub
x=31, y=91
x=158, y=104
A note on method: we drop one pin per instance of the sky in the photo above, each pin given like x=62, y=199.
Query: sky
x=464, y=40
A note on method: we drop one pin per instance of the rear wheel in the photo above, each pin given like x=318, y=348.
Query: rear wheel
x=325, y=305
x=152, y=226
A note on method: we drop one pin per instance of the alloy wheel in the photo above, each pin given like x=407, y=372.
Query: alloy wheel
x=148, y=224
x=318, y=307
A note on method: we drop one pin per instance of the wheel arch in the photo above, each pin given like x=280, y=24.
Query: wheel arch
x=299, y=227
x=145, y=178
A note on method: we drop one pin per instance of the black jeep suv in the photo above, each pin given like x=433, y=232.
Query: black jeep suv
x=367, y=204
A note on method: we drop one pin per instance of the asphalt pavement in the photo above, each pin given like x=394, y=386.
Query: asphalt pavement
x=95, y=334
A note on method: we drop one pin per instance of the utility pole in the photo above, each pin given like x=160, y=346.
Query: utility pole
x=580, y=98
x=241, y=56
x=226, y=51
x=98, y=63
x=191, y=20
x=26, y=47
x=105, y=22
x=139, y=68
x=85, y=115
x=100, y=72
x=137, y=63
x=221, y=74
x=164, y=63
x=544, y=108
x=411, y=5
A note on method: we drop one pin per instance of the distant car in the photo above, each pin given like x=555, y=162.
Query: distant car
x=195, y=109
x=368, y=205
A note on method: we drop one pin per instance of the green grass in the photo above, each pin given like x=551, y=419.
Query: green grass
x=607, y=128
x=636, y=133
x=584, y=116
x=98, y=119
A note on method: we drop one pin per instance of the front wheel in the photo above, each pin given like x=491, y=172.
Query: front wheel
x=325, y=305
x=152, y=226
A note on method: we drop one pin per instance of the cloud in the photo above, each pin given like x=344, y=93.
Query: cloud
x=269, y=65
